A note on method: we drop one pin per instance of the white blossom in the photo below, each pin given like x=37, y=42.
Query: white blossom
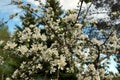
x=83, y=36
x=95, y=41
x=23, y=49
x=8, y=78
x=15, y=73
x=1, y=42
x=43, y=37
x=34, y=48
x=71, y=17
x=70, y=51
x=39, y=66
x=10, y=45
x=60, y=62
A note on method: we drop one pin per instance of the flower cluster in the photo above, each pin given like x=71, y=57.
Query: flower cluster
x=1, y=42
x=69, y=52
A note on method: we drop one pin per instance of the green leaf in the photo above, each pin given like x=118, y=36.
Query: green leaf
x=87, y=1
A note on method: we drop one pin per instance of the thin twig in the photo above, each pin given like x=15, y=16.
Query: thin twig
x=58, y=74
x=88, y=9
x=79, y=12
x=108, y=37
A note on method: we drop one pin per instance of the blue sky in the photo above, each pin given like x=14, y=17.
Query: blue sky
x=6, y=10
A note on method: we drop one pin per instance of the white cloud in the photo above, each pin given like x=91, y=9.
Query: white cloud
x=69, y=4
x=66, y=4
x=33, y=2
x=43, y=1
x=99, y=13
